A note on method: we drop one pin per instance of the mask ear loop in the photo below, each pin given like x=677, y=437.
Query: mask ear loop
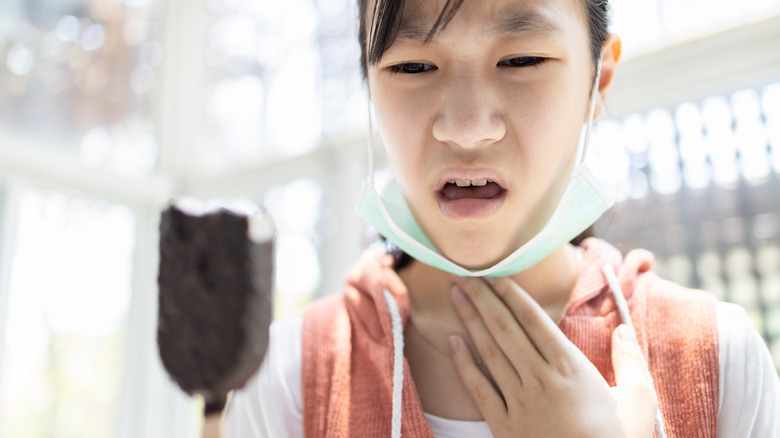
x=583, y=147
x=370, y=144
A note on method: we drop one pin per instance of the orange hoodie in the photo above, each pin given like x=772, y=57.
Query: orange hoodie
x=347, y=368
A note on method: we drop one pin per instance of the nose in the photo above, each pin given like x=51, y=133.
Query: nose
x=468, y=115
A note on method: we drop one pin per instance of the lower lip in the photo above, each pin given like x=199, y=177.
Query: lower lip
x=470, y=208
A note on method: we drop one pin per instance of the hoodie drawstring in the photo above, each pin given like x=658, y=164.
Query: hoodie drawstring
x=625, y=316
x=398, y=363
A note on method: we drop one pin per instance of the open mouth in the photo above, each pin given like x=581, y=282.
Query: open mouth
x=456, y=189
x=470, y=198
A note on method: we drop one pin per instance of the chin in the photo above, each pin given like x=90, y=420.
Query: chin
x=475, y=256
x=477, y=248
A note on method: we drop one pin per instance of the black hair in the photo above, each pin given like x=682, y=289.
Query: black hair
x=380, y=20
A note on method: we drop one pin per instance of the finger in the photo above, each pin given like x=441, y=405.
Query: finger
x=637, y=399
x=507, y=376
x=627, y=359
x=387, y=260
x=541, y=330
x=393, y=281
x=503, y=325
x=488, y=401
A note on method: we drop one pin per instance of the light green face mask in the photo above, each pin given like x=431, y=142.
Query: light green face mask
x=582, y=203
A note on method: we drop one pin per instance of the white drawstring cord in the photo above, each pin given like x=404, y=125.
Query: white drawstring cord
x=398, y=363
x=370, y=142
x=582, y=147
x=620, y=300
x=625, y=316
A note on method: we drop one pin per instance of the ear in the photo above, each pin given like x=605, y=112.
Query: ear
x=610, y=56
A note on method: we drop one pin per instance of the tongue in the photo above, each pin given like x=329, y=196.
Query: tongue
x=454, y=193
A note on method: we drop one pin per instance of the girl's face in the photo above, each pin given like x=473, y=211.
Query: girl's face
x=494, y=103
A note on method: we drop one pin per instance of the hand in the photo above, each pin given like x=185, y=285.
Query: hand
x=544, y=385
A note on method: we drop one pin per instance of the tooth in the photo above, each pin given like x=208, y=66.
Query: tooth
x=452, y=181
x=478, y=182
x=463, y=182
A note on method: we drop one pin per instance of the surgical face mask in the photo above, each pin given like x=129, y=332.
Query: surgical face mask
x=582, y=203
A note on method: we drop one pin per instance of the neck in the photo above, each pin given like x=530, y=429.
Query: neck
x=550, y=282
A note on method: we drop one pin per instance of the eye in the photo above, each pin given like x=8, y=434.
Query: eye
x=523, y=61
x=412, y=68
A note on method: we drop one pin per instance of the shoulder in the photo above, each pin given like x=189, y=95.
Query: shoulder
x=679, y=313
x=749, y=385
x=682, y=317
x=669, y=291
x=271, y=403
x=747, y=381
x=325, y=320
x=284, y=349
x=325, y=306
x=325, y=338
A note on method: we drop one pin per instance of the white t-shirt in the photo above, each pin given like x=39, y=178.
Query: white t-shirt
x=271, y=404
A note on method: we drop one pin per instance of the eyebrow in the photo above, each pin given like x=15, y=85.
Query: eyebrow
x=512, y=24
x=414, y=31
x=526, y=21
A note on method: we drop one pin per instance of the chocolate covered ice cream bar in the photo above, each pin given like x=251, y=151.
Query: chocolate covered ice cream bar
x=216, y=295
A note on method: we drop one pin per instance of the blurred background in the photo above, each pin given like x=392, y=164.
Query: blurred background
x=108, y=108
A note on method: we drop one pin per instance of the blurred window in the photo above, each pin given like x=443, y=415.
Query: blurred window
x=723, y=140
x=652, y=25
x=78, y=75
x=698, y=187
x=296, y=208
x=281, y=77
x=65, y=328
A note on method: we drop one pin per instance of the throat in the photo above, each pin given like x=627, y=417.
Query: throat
x=550, y=283
x=429, y=294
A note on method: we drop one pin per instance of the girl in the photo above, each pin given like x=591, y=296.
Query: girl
x=487, y=322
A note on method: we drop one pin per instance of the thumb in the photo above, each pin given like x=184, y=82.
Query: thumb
x=627, y=359
x=635, y=393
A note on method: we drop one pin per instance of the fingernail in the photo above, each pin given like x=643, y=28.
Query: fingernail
x=454, y=344
x=489, y=280
x=458, y=278
x=387, y=260
x=458, y=296
x=625, y=334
